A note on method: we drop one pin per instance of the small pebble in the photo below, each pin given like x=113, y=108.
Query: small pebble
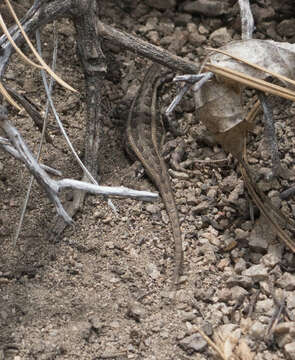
x=265, y=306
x=153, y=271
x=135, y=311
x=152, y=209
x=270, y=260
x=286, y=281
x=257, y=330
x=238, y=293
x=256, y=272
x=240, y=266
x=289, y=350
x=193, y=343
x=244, y=281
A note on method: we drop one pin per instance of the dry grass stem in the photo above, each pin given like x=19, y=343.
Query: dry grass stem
x=210, y=342
x=251, y=81
x=17, y=49
x=8, y=97
x=35, y=52
x=258, y=67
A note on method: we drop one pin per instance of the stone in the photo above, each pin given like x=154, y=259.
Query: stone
x=196, y=39
x=80, y=328
x=241, y=234
x=284, y=328
x=152, y=209
x=276, y=250
x=153, y=36
x=206, y=7
x=240, y=266
x=290, y=298
x=211, y=236
x=284, y=333
x=188, y=316
x=220, y=37
x=96, y=323
x=237, y=191
x=202, y=206
x=230, y=182
x=289, y=350
x=262, y=14
x=238, y=293
x=135, y=311
x=192, y=27
x=270, y=260
x=223, y=263
x=153, y=271
x=224, y=295
x=261, y=235
x=178, y=40
x=257, y=243
x=264, y=287
x=285, y=7
x=264, y=306
x=181, y=19
x=286, y=28
x=256, y=272
x=166, y=28
x=257, y=330
x=161, y=4
x=276, y=201
x=286, y=281
x=204, y=295
x=191, y=199
x=239, y=280
x=203, y=30
x=193, y=343
x=289, y=258
x=207, y=328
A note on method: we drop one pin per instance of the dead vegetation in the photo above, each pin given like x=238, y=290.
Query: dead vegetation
x=218, y=104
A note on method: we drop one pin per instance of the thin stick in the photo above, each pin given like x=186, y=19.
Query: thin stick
x=4, y=143
x=145, y=49
x=210, y=342
x=246, y=19
x=52, y=187
x=197, y=81
x=17, y=49
x=8, y=97
x=64, y=133
x=25, y=204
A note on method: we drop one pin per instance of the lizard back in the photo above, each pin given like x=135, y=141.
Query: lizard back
x=144, y=133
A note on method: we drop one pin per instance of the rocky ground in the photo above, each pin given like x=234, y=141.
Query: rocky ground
x=102, y=291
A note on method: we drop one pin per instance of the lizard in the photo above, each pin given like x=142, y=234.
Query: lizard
x=144, y=135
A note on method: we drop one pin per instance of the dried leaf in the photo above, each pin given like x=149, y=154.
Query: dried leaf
x=219, y=102
x=226, y=338
x=220, y=107
x=277, y=58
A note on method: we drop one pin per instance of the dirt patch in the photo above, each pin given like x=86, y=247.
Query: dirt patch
x=102, y=290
